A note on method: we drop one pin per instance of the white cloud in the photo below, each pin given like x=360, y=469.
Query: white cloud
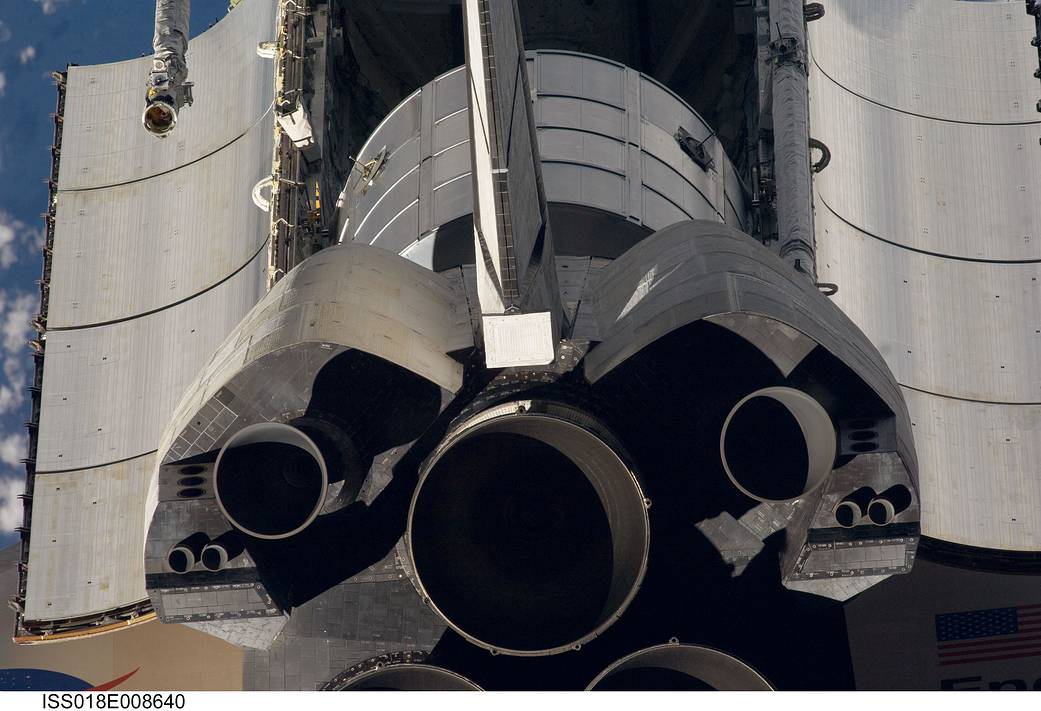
x=27, y=55
x=49, y=7
x=12, y=388
x=5, y=32
x=16, y=311
x=17, y=308
x=16, y=235
x=8, y=256
x=3, y=83
x=10, y=398
x=10, y=506
x=12, y=449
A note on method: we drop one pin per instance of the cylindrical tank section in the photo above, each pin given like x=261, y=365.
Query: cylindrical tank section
x=221, y=550
x=182, y=557
x=885, y=507
x=409, y=677
x=270, y=480
x=679, y=667
x=777, y=444
x=854, y=507
x=612, y=166
x=528, y=530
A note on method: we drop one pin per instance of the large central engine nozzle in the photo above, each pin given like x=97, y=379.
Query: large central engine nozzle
x=679, y=667
x=270, y=480
x=410, y=677
x=528, y=530
x=778, y=444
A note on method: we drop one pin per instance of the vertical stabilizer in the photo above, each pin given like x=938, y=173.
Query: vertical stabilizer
x=516, y=280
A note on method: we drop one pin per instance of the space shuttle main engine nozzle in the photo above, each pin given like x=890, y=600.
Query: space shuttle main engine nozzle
x=222, y=549
x=854, y=507
x=777, y=444
x=679, y=667
x=884, y=507
x=270, y=480
x=183, y=556
x=528, y=530
x=410, y=677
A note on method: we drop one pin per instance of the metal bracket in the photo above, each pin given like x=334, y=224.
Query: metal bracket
x=695, y=149
x=813, y=11
x=825, y=159
x=371, y=170
x=785, y=50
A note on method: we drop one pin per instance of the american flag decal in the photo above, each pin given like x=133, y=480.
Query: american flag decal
x=988, y=635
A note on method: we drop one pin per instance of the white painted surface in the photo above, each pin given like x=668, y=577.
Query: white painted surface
x=518, y=339
x=928, y=220
x=87, y=554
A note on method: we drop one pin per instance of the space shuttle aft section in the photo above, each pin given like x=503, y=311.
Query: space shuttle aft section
x=543, y=338
x=507, y=398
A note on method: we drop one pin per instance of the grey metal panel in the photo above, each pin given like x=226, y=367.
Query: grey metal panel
x=605, y=137
x=575, y=112
x=569, y=145
x=573, y=75
x=959, y=324
x=584, y=185
x=450, y=130
x=966, y=61
x=660, y=107
x=933, y=185
x=108, y=390
x=103, y=142
x=87, y=554
x=951, y=327
x=669, y=212
x=401, y=174
x=978, y=465
x=668, y=182
x=447, y=89
x=453, y=199
x=452, y=162
x=387, y=206
x=141, y=246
